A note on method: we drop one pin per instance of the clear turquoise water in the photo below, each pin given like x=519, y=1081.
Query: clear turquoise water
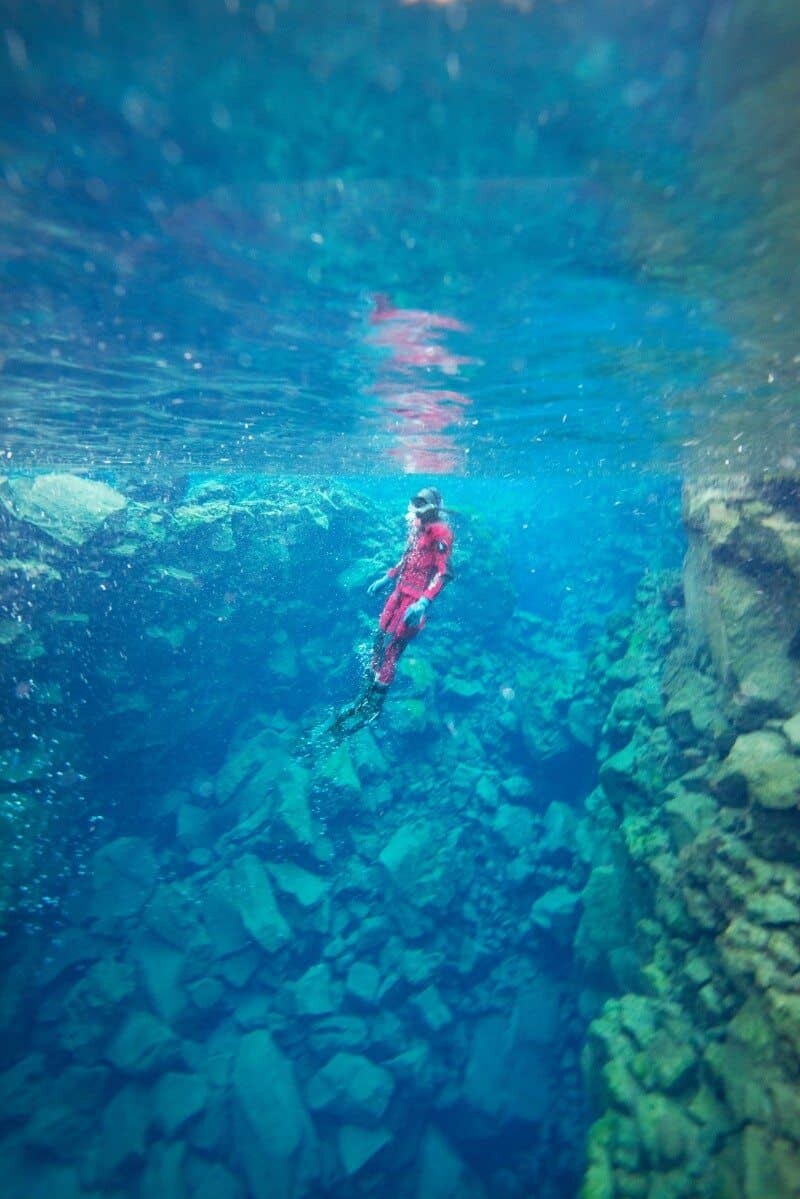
x=200, y=202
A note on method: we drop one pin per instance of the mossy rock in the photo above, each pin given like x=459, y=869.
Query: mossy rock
x=760, y=767
x=667, y=1134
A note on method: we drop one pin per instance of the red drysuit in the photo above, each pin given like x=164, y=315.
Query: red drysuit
x=421, y=572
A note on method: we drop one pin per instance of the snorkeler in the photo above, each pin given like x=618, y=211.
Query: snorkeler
x=419, y=577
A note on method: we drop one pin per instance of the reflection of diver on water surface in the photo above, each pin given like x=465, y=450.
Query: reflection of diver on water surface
x=419, y=577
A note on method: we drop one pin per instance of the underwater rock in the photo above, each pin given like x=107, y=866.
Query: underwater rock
x=66, y=1114
x=68, y=508
x=761, y=768
x=559, y=827
x=791, y=731
x=126, y=1122
x=94, y=1006
x=606, y=916
x=667, y=1134
x=515, y=825
x=338, y=1032
x=352, y=1088
x=306, y=889
x=211, y=1180
x=688, y=813
x=124, y=874
x=163, y=1170
x=73, y=947
x=193, y=826
x=742, y=587
x=143, y=1045
x=274, y=1137
x=161, y=970
x=692, y=708
x=443, y=1174
x=337, y=774
x=251, y=770
x=19, y=1094
x=456, y=687
x=501, y=1083
x=557, y=912
x=363, y=983
x=434, y=1012
x=313, y=995
x=422, y=878
x=255, y=902
x=357, y=1146
x=177, y=1099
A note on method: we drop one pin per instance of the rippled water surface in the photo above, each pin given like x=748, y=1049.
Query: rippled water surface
x=476, y=238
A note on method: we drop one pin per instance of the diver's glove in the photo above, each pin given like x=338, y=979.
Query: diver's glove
x=415, y=613
x=379, y=584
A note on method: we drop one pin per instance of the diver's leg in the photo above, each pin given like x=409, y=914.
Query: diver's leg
x=364, y=710
x=391, y=657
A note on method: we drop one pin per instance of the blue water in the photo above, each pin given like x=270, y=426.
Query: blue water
x=200, y=204
x=267, y=270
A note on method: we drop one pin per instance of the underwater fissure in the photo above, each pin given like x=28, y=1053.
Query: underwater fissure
x=552, y=884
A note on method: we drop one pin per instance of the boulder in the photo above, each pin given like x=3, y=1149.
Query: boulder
x=557, y=912
x=357, y=1146
x=443, y=1173
x=742, y=597
x=423, y=878
x=210, y=1180
x=433, y=1010
x=124, y=875
x=312, y=992
x=122, y=1143
x=143, y=1045
x=92, y=1008
x=558, y=830
x=791, y=731
x=514, y=824
x=363, y=983
x=177, y=1099
x=307, y=889
x=512, y=1067
x=351, y=1088
x=66, y=1110
x=240, y=906
x=274, y=1137
x=760, y=767
x=66, y=507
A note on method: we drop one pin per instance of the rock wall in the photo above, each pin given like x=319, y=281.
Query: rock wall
x=696, y=1068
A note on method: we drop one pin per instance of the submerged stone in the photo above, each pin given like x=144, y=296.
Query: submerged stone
x=69, y=508
x=363, y=983
x=443, y=1174
x=123, y=1142
x=557, y=911
x=351, y=1087
x=357, y=1146
x=791, y=731
x=306, y=888
x=423, y=878
x=312, y=992
x=275, y=1140
x=143, y=1045
x=124, y=876
x=177, y=1099
x=515, y=825
x=761, y=767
